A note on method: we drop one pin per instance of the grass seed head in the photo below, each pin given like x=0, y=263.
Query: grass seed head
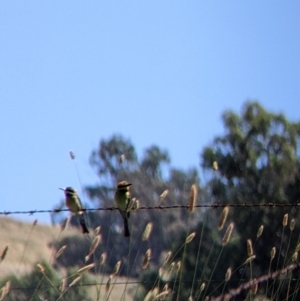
x=152, y=294
x=96, y=241
x=75, y=281
x=292, y=224
x=164, y=195
x=260, y=231
x=60, y=251
x=72, y=156
x=171, y=267
x=2, y=293
x=122, y=159
x=161, y=272
x=285, y=220
x=228, y=274
x=146, y=259
x=249, y=248
x=273, y=253
x=97, y=230
x=215, y=165
x=193, y=198
x=147, y=231
x=165, y=274
x=227, y=234
x=202, y=287
x=63, y=285
x=167, y=257
x=295, y=257
x=117, y=267
x=178, y=266
x=7, y=286
x=250, y=259
x=86, y=268
x=5, y=290
x=156, y=290
x=165, y=289
x=107, y=286
x=41, y=268
x=103, y=258
x=4, y=253
x=161, y=296
x=223, y=218
x=190, y=237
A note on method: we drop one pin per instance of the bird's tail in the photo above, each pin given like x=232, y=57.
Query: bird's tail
x=126, y=228
x=83, y=224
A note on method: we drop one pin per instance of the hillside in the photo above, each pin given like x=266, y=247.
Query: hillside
x=29, y=245
x=17, y=234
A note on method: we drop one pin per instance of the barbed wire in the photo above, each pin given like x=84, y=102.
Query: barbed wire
x=213, y=206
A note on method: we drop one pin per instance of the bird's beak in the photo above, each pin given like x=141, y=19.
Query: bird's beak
x=62, y=188
x=129, y=184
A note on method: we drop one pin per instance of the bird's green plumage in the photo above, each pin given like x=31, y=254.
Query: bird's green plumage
x=74, y=204
x=122, y=200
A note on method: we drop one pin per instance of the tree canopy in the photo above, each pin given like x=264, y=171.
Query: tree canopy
x=255, y=162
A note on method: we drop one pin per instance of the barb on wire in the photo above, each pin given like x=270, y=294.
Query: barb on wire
x=214, y=206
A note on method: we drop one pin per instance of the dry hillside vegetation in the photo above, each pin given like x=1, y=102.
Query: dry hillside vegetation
x=28, y=245
x=18, y=234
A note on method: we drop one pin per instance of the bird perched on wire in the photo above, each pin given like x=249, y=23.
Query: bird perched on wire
x=74, y=204
x=122, y=200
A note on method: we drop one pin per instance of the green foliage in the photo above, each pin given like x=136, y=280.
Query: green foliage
x=258, y=164
x=150, y=176
x=257, y=156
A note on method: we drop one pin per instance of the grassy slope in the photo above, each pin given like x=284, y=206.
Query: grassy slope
x=15, y=234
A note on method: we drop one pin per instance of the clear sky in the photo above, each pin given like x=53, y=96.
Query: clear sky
x=157, y=72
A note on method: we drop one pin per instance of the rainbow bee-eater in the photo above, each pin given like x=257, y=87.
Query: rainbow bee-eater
x=74, y=204
x=122, y=200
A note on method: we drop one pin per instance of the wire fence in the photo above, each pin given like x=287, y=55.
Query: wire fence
x=213, y=206
x=245, y=286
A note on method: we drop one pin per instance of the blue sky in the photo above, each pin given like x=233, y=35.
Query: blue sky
x=157, y=72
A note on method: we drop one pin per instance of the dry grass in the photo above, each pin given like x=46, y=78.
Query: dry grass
x=15, y=234
x=101, y=287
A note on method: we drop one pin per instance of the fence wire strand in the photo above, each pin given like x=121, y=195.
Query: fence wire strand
x=232, y=293
x=213, y=206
